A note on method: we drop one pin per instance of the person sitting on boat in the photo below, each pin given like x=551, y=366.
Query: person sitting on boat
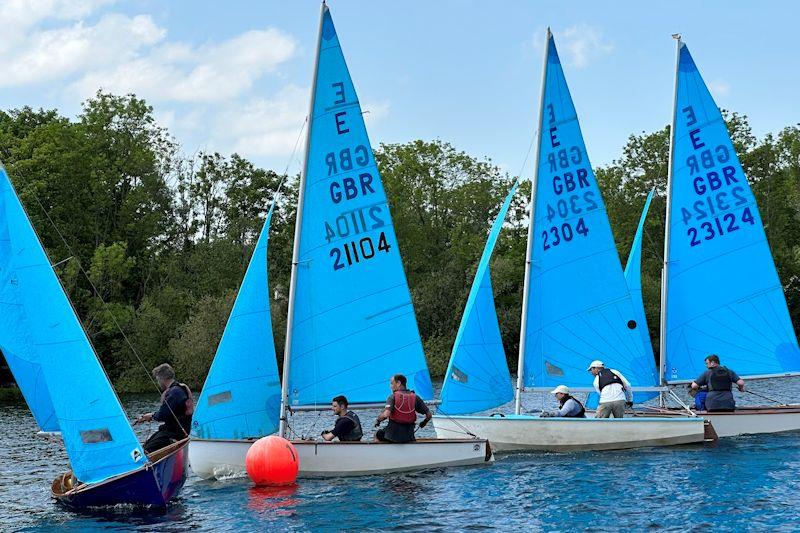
x=175, y=412
x=719, y=381
x=569, y=406
x=615, y=391
x=347, y=426
x=401, y=409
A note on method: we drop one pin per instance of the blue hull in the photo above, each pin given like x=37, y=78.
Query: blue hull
x=153, y=485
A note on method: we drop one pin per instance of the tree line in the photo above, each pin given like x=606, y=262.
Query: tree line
x=152, y=242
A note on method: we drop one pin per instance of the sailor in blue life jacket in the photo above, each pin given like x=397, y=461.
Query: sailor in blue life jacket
x=615, y=391
x=569, y=406
x=347, y=426
x=401, y=409
x=720, y=381
x=175, y=411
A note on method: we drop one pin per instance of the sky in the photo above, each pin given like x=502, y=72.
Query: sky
x=235, y=76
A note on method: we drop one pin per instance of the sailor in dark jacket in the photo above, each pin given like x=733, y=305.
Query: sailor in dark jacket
x=347, y=426
x=569, y=406
x=175, y=411
x=719, y=381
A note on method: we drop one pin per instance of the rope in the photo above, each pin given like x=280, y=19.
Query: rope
x=765, y=397
x=457, y=423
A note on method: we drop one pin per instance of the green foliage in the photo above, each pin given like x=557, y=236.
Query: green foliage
x=154, y=244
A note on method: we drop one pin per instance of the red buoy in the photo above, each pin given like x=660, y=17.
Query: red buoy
x=272, y=461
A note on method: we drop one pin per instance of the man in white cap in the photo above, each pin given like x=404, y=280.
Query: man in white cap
x=615, y=391
x=568, y=405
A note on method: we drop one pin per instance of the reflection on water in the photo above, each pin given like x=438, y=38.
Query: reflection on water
x=749, y=482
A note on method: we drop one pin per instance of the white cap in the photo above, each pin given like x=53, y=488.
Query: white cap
x=596, y=364
x=563, y=389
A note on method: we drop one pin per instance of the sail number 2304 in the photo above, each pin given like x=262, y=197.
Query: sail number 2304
x=563, y=233
x=353, y=252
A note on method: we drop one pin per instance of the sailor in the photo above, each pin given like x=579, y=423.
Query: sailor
x=569, y=406
x=175, y=411
x=719, y=381
x=347, y=426
x=699, y=396
x=615, y=391
x=401, y=409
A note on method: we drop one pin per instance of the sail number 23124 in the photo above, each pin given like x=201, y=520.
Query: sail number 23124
x=358, y=251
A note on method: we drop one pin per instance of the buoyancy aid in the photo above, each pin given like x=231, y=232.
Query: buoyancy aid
x=580, y=414
x=356, y=433
x=607, y=377
x=404, y=411
x=719, y=379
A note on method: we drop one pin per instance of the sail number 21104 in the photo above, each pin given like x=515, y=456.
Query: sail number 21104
x=353, y=252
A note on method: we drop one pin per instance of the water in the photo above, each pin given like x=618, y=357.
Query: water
x=748, y=482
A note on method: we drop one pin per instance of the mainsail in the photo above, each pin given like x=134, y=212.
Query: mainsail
x=241, y=395
x=99, y=440
x=352, y=325
x=723, y=295
x=578, y=304
x=477, y=376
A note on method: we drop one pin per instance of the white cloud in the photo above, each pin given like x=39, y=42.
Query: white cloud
x=719, y=87
x=578, y=45
x=374, y=112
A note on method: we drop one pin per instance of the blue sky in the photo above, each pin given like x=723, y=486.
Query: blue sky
x=235, y=76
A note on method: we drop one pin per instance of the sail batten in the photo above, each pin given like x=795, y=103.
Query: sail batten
x=579, y=306
x=98, y=438
x=352, y=323
x=723, y=295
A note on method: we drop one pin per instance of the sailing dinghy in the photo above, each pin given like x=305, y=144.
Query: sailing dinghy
x=576, y=308
x=351, y=323
x=720, y=290
x=64, y=383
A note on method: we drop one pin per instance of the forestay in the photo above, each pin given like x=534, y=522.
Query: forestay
x=353, y=324
x=477, y=376
x=579, y=307
x=723, y=292
x=241, y=395
x=99, y=440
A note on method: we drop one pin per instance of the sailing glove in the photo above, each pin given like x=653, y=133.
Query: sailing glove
x=423, y=423
x=628, y=404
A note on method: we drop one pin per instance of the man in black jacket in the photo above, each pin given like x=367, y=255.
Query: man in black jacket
x=174, y=413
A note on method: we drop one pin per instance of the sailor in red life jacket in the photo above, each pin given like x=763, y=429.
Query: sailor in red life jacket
x=615, y=391
x=401, y=409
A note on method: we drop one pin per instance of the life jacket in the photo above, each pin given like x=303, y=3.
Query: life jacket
x=607, y=377
x=404, y=411
x=184, y=419
x=189, y=404
x=719, y=379
x=356, y=433
x=581, y=413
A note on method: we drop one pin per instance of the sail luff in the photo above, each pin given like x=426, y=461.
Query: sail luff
x=526, y=286
x=287, y=350
x=662, y=345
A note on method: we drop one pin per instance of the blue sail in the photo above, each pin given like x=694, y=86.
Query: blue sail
x=16, y=344
x=579, y=307
x=241, y=396
x=354, y=324
x=477, y=376
x=723, y=292
x=633, y=277
x=99, y=440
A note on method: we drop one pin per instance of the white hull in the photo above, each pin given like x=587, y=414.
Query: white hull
x=754, y=420
x=521, y=432
x=218, y=459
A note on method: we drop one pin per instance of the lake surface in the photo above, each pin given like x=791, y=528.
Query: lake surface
x=750, y=482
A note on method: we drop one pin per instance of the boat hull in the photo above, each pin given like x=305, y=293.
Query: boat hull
x=517, y=433
x=753, y=420
x=153, y=485
x=218, y=459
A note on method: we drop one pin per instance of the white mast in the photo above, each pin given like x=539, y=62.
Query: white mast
x=662, y=352
x=526, y=288
x=296, y=248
